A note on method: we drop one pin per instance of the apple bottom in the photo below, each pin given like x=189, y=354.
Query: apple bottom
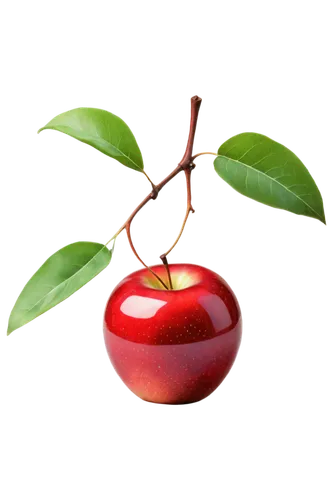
x=173, y=374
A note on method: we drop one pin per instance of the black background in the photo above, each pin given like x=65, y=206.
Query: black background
x=53, y=190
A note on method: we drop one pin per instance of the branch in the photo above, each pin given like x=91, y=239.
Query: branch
x=182, y=164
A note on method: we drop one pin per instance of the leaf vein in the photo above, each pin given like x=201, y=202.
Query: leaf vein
x=65, y=282
x=250, y=149
x=277, y=182
x=264, y=158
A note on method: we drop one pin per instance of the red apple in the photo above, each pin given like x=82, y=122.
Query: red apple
x=173, y=346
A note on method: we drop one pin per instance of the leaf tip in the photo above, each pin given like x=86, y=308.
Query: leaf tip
x=324, y=222
x=8, y=331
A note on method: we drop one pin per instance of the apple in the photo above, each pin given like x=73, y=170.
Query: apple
x=172, y=346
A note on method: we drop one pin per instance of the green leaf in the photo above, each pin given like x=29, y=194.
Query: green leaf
x=102, y=130
x=268, y=172
x=59, y=277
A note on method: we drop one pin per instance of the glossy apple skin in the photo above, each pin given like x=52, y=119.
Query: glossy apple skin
x=173, y=346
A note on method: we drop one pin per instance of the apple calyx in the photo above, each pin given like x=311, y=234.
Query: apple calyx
x=180, y=280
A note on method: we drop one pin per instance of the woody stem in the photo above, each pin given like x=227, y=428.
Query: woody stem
x=186, y=164
x=181, y=165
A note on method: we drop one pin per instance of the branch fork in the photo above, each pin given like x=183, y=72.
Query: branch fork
x=186, y=164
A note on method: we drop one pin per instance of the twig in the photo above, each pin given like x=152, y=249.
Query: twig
x=189, y=209
x=182, y=164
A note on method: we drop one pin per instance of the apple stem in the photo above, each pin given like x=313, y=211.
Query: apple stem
x=159, y=279
x=166, y=264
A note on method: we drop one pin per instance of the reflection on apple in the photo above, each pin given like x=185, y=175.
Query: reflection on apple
x=173, y=346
